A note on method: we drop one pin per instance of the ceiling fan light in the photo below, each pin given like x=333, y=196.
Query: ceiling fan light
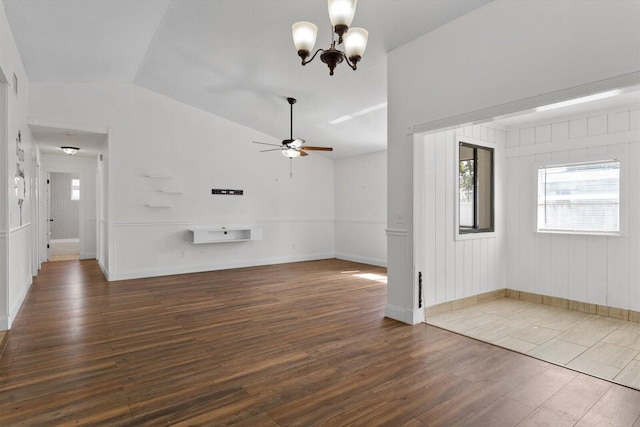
x=297, y=143
x=341, y=12
x=355, y=43
x=70, y=150
x=304, y=37
x=291, y=153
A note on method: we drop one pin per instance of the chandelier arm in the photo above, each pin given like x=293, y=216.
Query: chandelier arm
x=305, y=62
x=354, y=66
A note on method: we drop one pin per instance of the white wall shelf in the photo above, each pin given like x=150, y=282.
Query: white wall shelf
x=216, y=234
x=170, y=191
x=158, y=205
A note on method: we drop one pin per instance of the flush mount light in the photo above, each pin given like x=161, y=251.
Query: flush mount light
x=70, y=150
x=341, y=14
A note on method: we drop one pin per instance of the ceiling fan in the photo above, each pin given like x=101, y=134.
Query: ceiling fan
x=293, y=147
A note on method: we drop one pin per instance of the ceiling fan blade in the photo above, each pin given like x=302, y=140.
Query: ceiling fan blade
x=308, y=147
x=265, y=143
x=302, y=153
x=271, y=149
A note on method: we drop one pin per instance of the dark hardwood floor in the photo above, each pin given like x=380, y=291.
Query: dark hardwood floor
x=286, y=345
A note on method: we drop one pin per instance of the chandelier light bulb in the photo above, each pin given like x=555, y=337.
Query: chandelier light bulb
x=341, y=12
x=355, y=42
x=304, y=36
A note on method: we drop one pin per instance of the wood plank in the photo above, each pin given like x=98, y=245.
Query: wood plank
x=291, y=344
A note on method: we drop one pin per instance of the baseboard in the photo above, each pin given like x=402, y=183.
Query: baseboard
x=127, y=275
x=105, y=272
x=601, y=310
x=88, y=255
x=405, y=315
x=4, y=323
x=15, y=308
x=362, y=260
x=64, y=241
x=465, y=302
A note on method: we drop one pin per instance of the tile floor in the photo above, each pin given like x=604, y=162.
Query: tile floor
x=600, y=346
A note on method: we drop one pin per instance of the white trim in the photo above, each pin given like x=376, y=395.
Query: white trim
x=68, y=126
x=456, y=204
x=126, y=275
x=105, y=272
x=4, y=323
x=64, y=240
x=88, y=255
x=361, y=221
x=19, y=229
x=526, y=105
x=624, y=192
x=626, y=137
x=405, y=315
x=396, y=232
x=222, y=223
x=362, y=260
x=17, y=304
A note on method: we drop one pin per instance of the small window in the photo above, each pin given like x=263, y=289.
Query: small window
x=75, y=189
x=581, y=198
x=475, y=192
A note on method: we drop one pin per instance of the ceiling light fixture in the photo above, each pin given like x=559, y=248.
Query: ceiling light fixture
x=341, y=14
x=70, y=150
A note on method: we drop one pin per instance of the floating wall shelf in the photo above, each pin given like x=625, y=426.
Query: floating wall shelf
x=216, y=234
x=158, y=205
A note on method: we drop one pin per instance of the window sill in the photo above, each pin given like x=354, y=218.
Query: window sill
x=581, y=233
x=478, y=235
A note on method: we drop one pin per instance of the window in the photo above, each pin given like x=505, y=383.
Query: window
x=582, y=197
x=75, y=189
x=475, y=188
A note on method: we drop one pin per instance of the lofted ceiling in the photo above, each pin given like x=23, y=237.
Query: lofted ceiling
x=233, y=58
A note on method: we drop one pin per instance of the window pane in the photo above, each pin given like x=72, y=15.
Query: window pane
x=475, y=192
x=75, y=189
x=466, y=193
x=484, y=189
x=581, y=197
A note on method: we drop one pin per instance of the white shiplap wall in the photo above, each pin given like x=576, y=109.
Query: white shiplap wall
x=454, y=269
x=593, y=269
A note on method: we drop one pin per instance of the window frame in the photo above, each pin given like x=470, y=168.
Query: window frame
x=622, y=209
x=474, y=234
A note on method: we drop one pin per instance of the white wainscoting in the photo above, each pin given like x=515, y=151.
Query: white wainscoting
x=20, y=278
x=593, y=269
x=454, y=269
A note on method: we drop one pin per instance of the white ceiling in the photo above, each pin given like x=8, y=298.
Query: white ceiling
x=234, y=58
x=51, y=139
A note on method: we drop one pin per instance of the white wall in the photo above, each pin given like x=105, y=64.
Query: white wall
x=15, y=238
x=500, y=53
x=86, y=167
x=361, y=208
x=454, y=269
x=197, y=151
x=594, y=269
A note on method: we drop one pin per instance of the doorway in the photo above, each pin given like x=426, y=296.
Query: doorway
x=64, y=216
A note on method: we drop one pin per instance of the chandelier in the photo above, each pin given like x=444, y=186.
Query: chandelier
x=355, y=39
